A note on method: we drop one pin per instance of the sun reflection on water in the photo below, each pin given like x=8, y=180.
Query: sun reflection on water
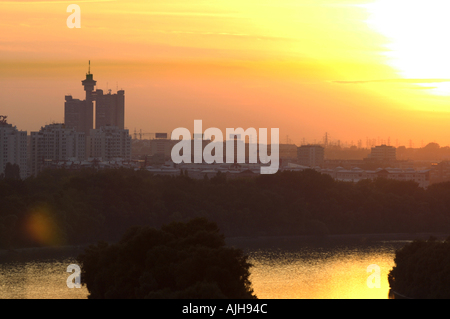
x=319, y=273
x=299, y=272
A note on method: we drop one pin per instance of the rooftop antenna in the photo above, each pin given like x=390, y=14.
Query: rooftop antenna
x=89, y=71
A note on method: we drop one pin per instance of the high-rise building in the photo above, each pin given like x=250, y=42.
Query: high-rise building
x=109, y=108
x=109, y=143
x=55, y=143
x=310, y=155
x=76, y=114
x=13, y=147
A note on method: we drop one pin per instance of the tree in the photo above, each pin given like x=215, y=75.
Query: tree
x=12, y=171
x=422, y=270
x=432, y=146
x=181, y=260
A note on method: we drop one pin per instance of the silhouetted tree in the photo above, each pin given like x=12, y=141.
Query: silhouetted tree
x=422, y=270
x=12, y=171
x=181, y=260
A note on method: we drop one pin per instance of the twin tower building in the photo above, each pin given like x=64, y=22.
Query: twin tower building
x=77, y=139
x=108, y=140
x=109, y=108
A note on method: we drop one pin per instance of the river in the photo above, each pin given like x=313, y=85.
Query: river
x=283, y=268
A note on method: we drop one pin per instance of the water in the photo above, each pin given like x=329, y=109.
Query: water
x=38, y=279
x=322, y=272
x=283, y=269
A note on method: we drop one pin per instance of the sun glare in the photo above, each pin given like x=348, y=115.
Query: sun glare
x=418, y=46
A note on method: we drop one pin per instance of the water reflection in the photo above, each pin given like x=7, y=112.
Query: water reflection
x=321, y=270
x=282, y=270
x=41, y=279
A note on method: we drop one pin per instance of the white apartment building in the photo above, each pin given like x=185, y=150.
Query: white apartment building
x=356, y=174
x=310, y=155
x=109, y=143
x=383, y=153
x=13, y=147
x=421, y=177
x=55, y=143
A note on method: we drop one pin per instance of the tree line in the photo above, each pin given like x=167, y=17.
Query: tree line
x=73, y=207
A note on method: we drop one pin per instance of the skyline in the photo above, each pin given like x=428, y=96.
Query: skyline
x=306, y=67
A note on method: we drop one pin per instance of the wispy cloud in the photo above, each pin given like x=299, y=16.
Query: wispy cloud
x=413, y=81
x=53, y=1
x=179, y=13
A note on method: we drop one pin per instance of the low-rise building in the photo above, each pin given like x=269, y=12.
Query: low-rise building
x=383, y=153
x=310, y=155
x=356, y=174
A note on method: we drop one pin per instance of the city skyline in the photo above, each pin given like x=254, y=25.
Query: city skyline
x=316, y=66
x=226, y=149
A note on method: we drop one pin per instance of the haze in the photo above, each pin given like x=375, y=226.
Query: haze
x=354, y=69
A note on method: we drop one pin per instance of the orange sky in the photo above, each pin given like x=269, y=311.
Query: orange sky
x=354, y=69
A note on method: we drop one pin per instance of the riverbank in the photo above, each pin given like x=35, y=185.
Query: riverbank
x=35, y=253
x=333, y=239
x=32, y=253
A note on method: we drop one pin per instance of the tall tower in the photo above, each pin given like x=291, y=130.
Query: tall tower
x=109, y=108
x=89, y=82
x=88, y=115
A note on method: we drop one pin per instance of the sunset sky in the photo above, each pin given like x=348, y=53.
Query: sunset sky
x=355, y=69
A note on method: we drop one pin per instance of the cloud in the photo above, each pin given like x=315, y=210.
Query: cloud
x=53, y=1
x=414, y=81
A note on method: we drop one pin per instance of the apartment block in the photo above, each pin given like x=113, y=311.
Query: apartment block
x=55, y=143
x=13, y=147
x=109, y=143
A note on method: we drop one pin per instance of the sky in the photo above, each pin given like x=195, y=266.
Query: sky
x=358, y=70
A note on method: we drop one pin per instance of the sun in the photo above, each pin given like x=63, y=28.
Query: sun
x=418, y=43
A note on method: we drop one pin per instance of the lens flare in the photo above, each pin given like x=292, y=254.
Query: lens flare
x=42, y=228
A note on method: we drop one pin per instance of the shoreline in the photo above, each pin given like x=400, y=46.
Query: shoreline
x=30, y=253
x=378, y=236
x=328, y=240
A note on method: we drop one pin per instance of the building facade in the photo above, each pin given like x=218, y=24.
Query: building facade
x=421, y=177
x=77, y=115
x=109, y=143
x=13, y=147
x=356, y=174
x=109, y=108
x=55, y=143
x=440, y=172
x=310, y=155
x=383, y=153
